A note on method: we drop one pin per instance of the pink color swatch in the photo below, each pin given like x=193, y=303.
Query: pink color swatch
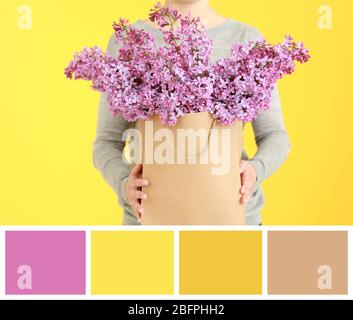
x=45, y=262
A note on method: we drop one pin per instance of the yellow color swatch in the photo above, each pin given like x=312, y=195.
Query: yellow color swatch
x=132, y=262
x=220, y=262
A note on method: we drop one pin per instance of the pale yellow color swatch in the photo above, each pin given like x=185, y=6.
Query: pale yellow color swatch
x=220, y=262
x=48, y=123
x=132, y=262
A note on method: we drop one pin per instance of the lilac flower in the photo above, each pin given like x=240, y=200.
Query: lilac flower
x=176, y=79
x=245, y=81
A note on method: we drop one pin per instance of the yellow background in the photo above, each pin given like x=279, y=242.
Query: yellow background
x=47, y=123
x=132, y=262
x=220, y=262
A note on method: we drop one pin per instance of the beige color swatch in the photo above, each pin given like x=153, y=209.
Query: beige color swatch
x=307, y=262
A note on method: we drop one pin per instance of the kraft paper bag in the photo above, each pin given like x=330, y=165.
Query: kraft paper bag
x=192, y=186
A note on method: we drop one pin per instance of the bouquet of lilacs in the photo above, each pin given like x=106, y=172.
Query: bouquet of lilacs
x=170, y=81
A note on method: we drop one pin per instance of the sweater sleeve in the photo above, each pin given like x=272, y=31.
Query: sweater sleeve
x=108, y=146
x=273, y=144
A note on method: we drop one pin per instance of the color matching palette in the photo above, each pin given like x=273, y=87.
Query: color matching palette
x=185, y=262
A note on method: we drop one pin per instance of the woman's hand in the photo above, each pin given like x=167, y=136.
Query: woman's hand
x=133, y=192
x=248, y=180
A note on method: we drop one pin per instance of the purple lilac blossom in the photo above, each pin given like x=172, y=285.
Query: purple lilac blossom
x=176, y=79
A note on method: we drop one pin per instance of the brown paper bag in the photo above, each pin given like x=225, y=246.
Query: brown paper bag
x=190, y=190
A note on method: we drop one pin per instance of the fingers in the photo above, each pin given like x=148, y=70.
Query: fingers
x=134, y=190
x=135, y=202
x=136, y=171
x=245, y=189
x=139, y=195
x=244, y=184
x=138, y=211
x=242, y=165
x=136, y=196
x=140, y=183
x=248, y=179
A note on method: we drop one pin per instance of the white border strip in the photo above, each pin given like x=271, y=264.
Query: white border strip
x=179, y=297
x=177, y=228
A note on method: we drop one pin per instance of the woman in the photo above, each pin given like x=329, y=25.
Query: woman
x=271, y=137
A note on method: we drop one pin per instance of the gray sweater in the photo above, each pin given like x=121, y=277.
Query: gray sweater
x=271, y=137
